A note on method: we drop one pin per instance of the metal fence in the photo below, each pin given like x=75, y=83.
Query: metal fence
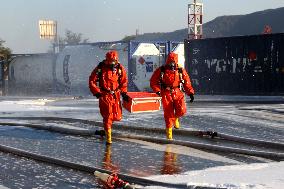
x=245, y=65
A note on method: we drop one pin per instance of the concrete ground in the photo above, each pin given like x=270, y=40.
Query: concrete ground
x=253, y=117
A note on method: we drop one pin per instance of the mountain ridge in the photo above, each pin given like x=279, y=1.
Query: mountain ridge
x=225, y=26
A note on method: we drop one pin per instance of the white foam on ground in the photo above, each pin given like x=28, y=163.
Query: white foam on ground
x=28, y=105
x=3, y=187
x=246, y=115
x=252, y=176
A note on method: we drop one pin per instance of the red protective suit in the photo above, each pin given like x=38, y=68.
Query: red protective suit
x=167, y=79
x=112, y=81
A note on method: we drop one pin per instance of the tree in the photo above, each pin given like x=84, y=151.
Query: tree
x=70, y=38
x=5, y=52
x=129, y=38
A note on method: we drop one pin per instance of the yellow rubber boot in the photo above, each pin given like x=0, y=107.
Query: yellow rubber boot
x=177, y=125
x=108, y=136
x=169, y=132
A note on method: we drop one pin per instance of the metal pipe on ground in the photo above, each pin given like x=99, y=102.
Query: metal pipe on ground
x=269, y=144
x=208, y=147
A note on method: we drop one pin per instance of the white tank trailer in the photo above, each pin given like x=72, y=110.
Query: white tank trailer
x=68, y=72
x=75, y=64
x=31, y=74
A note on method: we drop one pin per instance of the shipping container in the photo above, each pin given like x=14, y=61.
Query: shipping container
x=245, y=65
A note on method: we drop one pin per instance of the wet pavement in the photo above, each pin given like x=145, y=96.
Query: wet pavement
x=134, y=157
x=124, y=156
x=19, y=172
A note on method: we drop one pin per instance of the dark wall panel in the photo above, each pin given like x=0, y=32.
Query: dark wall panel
x=249, y=65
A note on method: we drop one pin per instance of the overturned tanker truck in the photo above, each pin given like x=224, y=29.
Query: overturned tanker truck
x=68, y=71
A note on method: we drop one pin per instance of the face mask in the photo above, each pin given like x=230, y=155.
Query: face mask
x=172, y=66
x=113, y=66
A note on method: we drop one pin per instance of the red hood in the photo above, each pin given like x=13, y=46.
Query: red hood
x=172, y=57
x=111, y=56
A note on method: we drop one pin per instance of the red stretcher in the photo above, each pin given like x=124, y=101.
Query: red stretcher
x=142, y=102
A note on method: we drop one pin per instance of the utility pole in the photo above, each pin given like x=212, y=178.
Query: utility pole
x=195, y=20
x=48, y=30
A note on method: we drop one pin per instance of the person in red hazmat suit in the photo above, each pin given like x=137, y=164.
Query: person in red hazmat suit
x=169, y=81
x=107, y=82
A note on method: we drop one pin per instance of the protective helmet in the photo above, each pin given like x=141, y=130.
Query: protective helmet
x=112, y=57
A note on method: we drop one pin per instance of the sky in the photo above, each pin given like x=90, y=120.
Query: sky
x=107, y=20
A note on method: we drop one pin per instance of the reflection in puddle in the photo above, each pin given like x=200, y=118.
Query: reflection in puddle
x=170, y=164
x=107, y=162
